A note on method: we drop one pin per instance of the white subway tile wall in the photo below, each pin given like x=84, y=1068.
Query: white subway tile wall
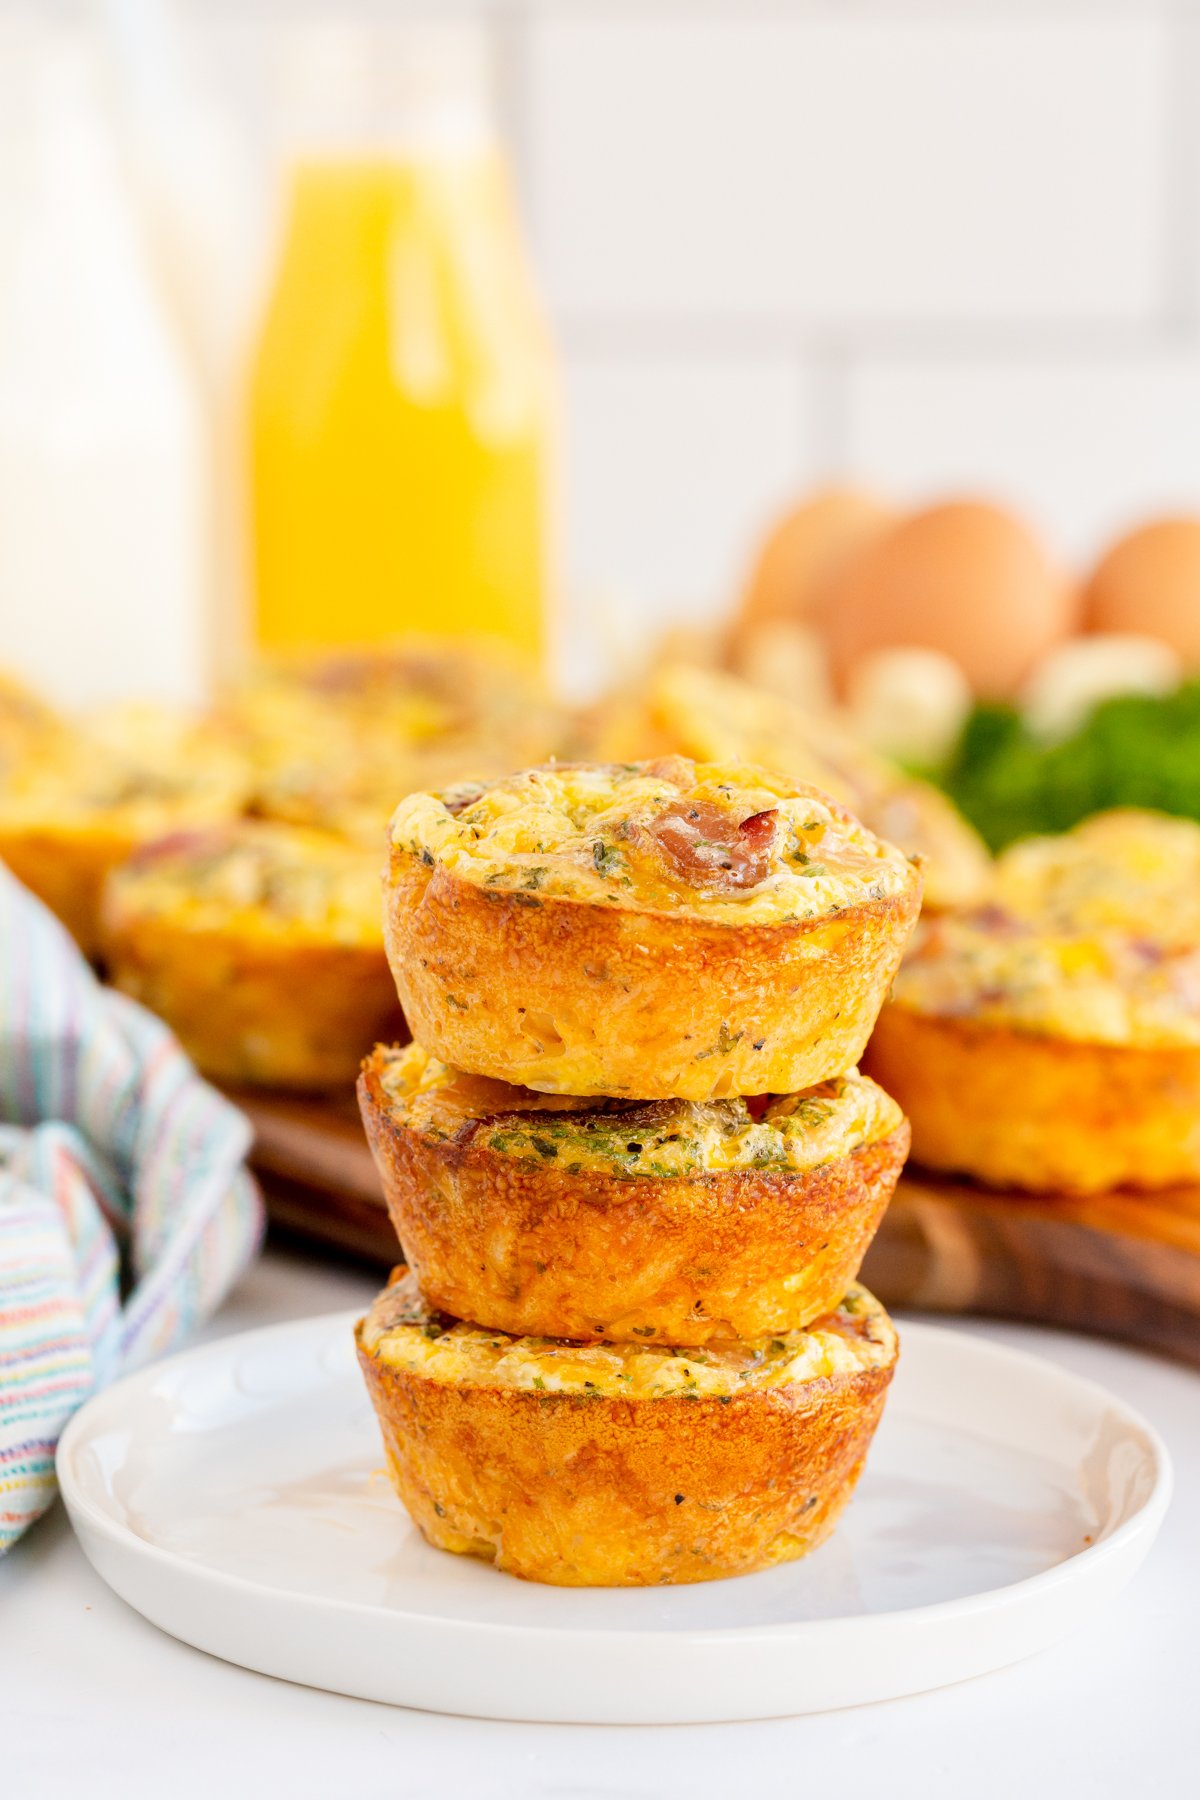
x=672, y=460
x=847, y=172
x=1084, y=445
x=938, y=247
x=933, y=244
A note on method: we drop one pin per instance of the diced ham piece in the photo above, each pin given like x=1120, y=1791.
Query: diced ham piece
x=710, y=849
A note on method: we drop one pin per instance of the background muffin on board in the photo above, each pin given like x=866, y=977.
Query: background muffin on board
x=1051, y=1039
x=81, y=801
x=261, y=946
x=333, y=740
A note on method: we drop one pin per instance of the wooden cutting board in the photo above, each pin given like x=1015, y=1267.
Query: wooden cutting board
x=1123, y=1265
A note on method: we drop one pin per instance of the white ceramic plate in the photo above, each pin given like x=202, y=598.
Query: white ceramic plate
x=232, y=1495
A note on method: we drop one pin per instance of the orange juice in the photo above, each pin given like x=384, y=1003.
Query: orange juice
x=400, y=407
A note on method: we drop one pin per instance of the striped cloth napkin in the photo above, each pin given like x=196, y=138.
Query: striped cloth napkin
x=126, y=1211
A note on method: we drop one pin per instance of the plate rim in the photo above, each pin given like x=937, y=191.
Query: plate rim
x=1147, y=1518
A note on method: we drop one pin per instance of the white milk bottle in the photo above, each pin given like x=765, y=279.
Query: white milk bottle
x=103, y=464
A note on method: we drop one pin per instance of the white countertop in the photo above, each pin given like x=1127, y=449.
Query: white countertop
x=93, y=1699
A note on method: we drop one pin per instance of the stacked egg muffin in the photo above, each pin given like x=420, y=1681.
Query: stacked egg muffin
x=633, y=1167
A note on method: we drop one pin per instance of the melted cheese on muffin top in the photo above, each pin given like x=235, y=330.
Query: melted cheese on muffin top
x=1137, y=873
x=1092, y=936
x=401, y=1330
x=731, y=842
x=256, y=880
x=631, y=1139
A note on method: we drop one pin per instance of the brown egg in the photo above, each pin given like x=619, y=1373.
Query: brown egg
x=964, y=577
x=1149, y=582
x=800, y=553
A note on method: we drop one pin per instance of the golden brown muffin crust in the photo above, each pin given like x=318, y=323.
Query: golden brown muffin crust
x=620, y=977
x=660, y=1221
x=584, y=1488
x=1046, y=1115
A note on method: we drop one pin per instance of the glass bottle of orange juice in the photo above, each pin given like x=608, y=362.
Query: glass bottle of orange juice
x=402, y=389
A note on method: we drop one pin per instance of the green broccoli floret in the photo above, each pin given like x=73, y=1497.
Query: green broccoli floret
x=1133, y=750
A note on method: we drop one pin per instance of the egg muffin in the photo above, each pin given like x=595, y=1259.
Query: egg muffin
x=89, y=796
x=336, y=739
x=645, y=931
x=1050, y=1040
x=624, y=1465
x=27, y=724
x=715, y=717
x=661, y=1221
x=261, y=946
